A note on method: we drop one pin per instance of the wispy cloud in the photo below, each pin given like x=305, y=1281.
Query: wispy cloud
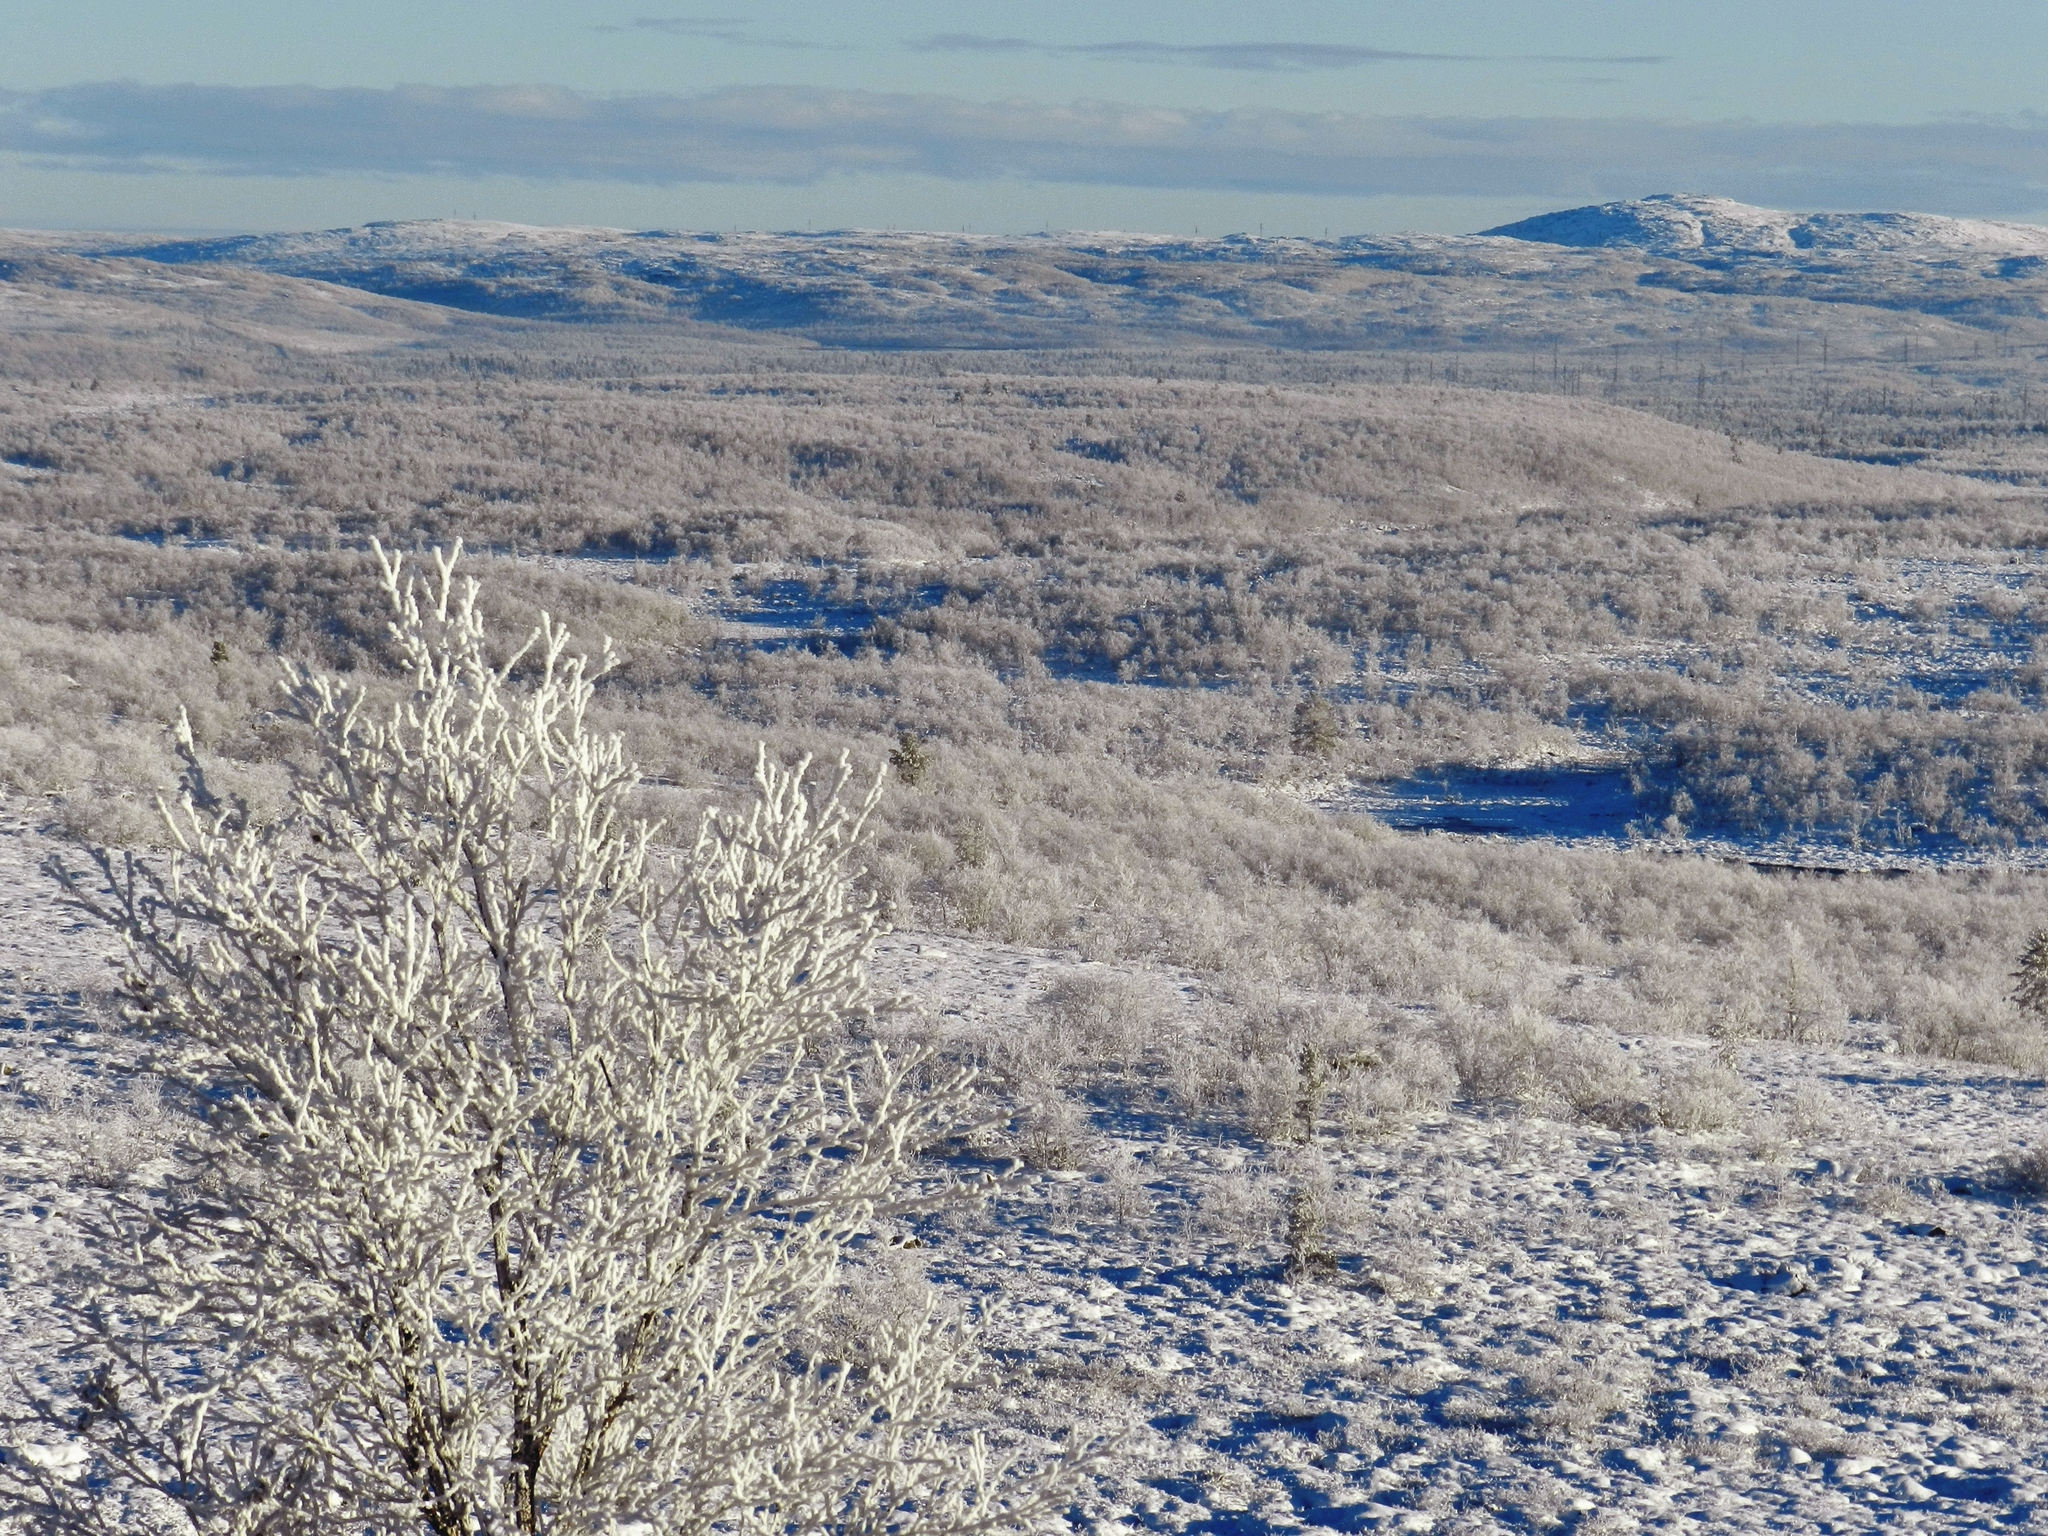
x=795, y=135
x=736, y=31
x=724, y=29
x=1288, y=57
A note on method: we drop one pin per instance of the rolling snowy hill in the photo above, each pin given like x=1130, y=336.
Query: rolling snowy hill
x=1682, y=228
x=1576, y=277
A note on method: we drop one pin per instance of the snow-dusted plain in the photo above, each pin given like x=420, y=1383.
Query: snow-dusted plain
x=1831, y=1315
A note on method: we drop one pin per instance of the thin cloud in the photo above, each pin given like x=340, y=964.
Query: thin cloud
x=685, y=25
x=725, y=28
x=1258, y=56
x=733, y=30
x=1265, y=57
x=973, y=42
x=792, y=135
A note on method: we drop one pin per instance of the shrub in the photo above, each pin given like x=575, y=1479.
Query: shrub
x=1052, y=1132
x=1600, y=1083
x=1704, y=1096
x=1807, y=1007
x=1498, y=1053
x=533, y=1164
x=911, y=759
x=1413, y=1077
x=1967, y=1020
x=2023, y=1173
x=1111, y=1016
x=1308, y=1221
x=1314, y=732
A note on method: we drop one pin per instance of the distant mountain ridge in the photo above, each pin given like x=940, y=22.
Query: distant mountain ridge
x=1621, y=271
x=1685, y=228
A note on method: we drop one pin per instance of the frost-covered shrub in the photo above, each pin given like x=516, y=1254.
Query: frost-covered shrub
x=536, y=1166
x=2030, y=980
x=97, y=1134
x=1601, y=1083
x=1579, y=1385
x=1666, y=989
x=1197, y=1077
x=1803, y=1003
x=1887, y=1194
x=885, y=1295
x=1240, y=1209
x=911, y=758
x=1411, y=1075
x=114, y=1141
x=1966, y=1020
x=1266, y=1092
x=1287, y=1065
x=2024, y=1172
x=1307, y=1236
x=1315, y=1214
x=1052, y=1132
x=1768, y=1138
x=1036, y=1056
x=1700, y=1096
x=1111, y=1016
x=1813, y=1112
x=1123, y=1190
x=1097, y=1026
x=1497, y=1053
x=1314, y=732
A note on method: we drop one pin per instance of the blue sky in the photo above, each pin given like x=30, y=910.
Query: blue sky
x=1297, y=117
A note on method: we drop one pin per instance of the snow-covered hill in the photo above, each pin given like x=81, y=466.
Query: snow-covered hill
x=1588, y=274
x=1686, y=228
x=869, y=288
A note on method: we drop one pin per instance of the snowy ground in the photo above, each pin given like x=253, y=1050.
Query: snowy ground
x=1828, y=1316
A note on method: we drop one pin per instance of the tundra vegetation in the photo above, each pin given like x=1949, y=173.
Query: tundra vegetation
x=1129, y=625
x=1119, y=629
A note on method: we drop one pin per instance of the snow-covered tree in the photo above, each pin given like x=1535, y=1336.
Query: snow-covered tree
x=532, y=1162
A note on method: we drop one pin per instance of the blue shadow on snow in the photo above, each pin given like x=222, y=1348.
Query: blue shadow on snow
x=1563, y=803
